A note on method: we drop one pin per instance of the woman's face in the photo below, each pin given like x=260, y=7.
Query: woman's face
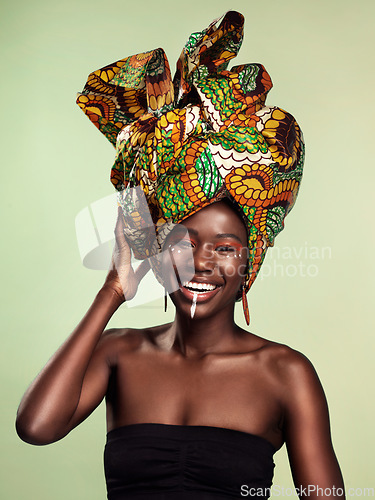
x=208, y=252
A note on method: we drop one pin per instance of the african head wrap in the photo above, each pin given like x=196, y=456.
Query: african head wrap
x=190, y=141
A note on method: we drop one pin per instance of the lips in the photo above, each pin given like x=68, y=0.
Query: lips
x=202, y=291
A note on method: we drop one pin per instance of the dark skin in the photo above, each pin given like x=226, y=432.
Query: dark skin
x=202, y=371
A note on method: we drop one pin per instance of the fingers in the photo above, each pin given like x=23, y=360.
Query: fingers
x=123, y=253
x=119, y=230
x=142, y=270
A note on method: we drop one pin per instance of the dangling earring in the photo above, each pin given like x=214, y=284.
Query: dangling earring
x=245, y=306
x=165, y=300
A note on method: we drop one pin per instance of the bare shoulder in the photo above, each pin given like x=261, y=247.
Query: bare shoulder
x=288, y=362
x=294, y=375
x=286, y=365
x=115, y=341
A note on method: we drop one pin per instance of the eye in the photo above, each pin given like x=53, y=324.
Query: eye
x=226, y=250
x=181, y=245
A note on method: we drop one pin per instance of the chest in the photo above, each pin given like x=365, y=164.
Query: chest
x=230, y=391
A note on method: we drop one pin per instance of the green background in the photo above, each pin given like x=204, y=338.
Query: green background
x=54, y=163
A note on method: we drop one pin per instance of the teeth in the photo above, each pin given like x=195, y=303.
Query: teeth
x=199, y=286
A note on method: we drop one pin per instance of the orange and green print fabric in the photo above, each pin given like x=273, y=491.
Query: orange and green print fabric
x=205, y=134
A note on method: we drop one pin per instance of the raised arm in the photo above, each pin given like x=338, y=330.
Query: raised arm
x=314, y=466
x=75, y=379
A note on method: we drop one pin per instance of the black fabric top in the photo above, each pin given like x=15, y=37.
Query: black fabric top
x=183, y=462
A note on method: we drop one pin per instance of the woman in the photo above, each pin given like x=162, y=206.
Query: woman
x=195, y=408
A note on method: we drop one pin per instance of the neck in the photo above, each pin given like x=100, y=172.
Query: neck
x=196, y=337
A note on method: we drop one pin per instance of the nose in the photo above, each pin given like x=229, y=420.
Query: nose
x=204, y=258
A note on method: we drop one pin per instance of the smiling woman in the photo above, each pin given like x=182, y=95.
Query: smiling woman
x=216, y=253
x=196, y=408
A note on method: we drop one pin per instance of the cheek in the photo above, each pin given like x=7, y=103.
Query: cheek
x=168, y=273
x=231, y=270
x=177, y=267
x=235, y=270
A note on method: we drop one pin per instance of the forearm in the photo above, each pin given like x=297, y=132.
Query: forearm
x=50, y=402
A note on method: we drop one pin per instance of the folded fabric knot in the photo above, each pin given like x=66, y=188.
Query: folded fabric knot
x=205, y=135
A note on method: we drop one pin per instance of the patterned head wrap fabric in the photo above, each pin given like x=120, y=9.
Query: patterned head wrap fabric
x=190, y=141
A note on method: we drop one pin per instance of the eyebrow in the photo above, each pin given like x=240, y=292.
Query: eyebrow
x=228, y=235
x=217, y=236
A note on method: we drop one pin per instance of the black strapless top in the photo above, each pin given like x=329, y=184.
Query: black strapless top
x=183, y=462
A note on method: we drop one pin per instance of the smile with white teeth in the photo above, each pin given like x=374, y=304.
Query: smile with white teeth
x=199, y=287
